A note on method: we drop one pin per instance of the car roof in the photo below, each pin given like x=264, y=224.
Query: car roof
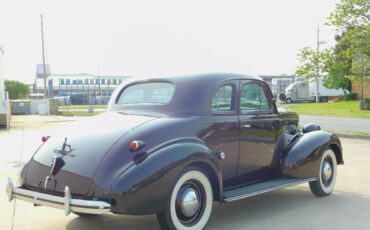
x=205, y=77
x=192, y=94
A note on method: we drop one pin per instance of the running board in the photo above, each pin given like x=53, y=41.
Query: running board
x=263, y=187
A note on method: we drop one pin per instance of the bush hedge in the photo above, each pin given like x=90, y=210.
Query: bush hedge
x=350, y=97
x=367, y=104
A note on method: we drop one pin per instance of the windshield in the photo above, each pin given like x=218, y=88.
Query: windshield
x=290, y=87
x=147, y=93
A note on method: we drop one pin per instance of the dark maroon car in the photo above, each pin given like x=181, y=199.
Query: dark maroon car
x=172, y=146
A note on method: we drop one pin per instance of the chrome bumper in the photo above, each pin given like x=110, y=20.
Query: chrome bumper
x=67, y=203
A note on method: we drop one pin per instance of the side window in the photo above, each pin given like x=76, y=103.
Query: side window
x=222, y=100
x=253, y=98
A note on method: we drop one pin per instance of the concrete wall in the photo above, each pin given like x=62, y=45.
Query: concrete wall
x=35, y=105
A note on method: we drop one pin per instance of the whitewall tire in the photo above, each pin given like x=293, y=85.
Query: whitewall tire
x=327, y=175
x=190, y=204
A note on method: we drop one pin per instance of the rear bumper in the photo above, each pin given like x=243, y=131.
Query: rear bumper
x=67, y=203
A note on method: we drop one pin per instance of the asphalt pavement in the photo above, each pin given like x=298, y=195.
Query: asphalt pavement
x=348, y=207
x=339, y=124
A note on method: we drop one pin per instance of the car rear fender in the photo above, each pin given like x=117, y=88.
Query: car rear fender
x=302, y=156
x=144, y=187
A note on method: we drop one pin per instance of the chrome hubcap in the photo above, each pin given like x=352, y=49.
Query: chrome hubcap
x=327, y=171
x=189, y=202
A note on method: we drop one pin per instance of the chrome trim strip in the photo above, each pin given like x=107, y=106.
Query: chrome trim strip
x=67, y=202
x=230, y=199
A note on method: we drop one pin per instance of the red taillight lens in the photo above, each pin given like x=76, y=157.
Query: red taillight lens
x=44, y=138
x=136, y=145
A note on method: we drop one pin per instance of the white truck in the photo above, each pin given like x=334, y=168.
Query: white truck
x=305, y=91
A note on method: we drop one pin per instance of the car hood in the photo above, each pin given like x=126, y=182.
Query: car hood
x=85, y=144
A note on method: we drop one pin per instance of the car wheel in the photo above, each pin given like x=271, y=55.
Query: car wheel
x=288, y=101
x=328, y=174
x=190, y=204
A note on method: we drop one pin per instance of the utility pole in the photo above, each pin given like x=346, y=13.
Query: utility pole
x=362, y=56
x=317, y=77
x=362, y=84
x=99, y=82
x=43, y=57
x=317, y=63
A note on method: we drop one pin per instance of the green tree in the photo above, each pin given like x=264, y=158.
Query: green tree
x=350, y=14
x=16, y=89
x=351, y=19
x=337, y=65
x=310, y=61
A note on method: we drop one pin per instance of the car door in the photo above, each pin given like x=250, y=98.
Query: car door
x=258, y=129
x=222, y=129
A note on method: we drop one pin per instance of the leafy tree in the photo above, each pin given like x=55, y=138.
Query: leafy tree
x=310, y=61
x=313, y=63
x=338, y=65
x=16, y=89
x=351, y=19
x=350, y=14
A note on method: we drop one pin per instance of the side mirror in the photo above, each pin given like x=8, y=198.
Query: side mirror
x=311, y=127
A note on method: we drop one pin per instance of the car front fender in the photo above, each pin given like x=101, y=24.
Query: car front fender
x=144, y=187
x=302, y=156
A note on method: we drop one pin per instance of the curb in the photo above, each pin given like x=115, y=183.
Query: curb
x=355, y=136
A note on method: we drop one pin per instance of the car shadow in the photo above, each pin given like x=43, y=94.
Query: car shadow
x=112, y=222
x=292, y=208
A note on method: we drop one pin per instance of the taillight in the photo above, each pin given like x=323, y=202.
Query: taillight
x=136, y=145
x=44, y=138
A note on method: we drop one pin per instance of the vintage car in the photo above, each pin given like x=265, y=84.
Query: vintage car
x=172, y=146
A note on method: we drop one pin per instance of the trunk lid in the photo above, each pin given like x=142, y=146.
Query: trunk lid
x=81, y=147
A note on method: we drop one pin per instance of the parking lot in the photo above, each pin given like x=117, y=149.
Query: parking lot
x=293, y=208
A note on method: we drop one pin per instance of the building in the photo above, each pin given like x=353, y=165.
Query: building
x=2, y=87
x=79, y=88
x=278, y=83
x=4, y=103
x=356, y=88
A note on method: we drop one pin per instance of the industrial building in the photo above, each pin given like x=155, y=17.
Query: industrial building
x=4, y=102
x=96, y=89
x=78, y=88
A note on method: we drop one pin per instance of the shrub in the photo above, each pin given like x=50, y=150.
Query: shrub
x=350, y=97
x=367, y=104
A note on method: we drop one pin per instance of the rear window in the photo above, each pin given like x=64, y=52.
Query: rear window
x=147, y=93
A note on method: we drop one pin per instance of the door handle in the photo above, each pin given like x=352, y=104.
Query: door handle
x=246, y=126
